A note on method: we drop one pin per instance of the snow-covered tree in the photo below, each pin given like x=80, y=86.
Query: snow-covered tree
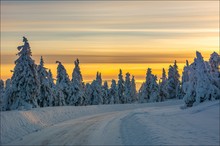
x=1, y=88
x=57, y=92
x=214, y=62
x=77, y=96
x=149, y=91
x=200, y=87
x=120, y=87
x=163, y=94
x=50, y=79
x=99, y=78
x=185, y=74
x=127, y=93
x=105, y=93
x=154, y=89
x=96, y=96
x=144, y=91
x=25, y=82
x=133, y=90
x=7, y=94
x=173, y=82
x=2, y=91
x=47, y=95
x=63, y=81
x=88, y=94
x=114, y=97
x=141, y=94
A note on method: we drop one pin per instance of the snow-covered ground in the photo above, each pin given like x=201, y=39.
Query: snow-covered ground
x=131, y=124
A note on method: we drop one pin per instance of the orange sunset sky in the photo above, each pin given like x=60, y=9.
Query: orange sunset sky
x=109, y=35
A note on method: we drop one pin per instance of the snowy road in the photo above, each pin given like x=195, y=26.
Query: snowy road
x=152, y=125
x=97, y=130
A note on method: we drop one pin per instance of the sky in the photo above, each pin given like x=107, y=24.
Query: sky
x=105, y=35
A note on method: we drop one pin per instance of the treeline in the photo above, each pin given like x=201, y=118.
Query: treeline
x=33, y=85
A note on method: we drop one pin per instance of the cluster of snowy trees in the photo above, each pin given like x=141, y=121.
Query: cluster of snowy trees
x=33, y=85
x=201, y=80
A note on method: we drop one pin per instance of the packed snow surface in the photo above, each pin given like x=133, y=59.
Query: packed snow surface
x=129, y=124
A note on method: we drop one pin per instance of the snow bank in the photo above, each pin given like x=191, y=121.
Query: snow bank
x=16, y=124
x=160, y=118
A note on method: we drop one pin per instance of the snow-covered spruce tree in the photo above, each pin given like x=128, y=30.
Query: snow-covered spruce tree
x=88, y=94
x=47, y=95
x=154, y=89
x=141, y=93
x=77, y=95
x=58, y=94
x=50, y=79
x=200, y=87
x=163, y=94
x=25, y=82
x=105, y=93
x=127, y=93
x=185, y=74
x=96, y=96
x=7, y=94
x=173, y=82
x=120, y=87
x=63, y=81
x=2, y=91
x=133, y=90
x=150, y=89
x=145, y=89
x=114, y=99
x=99, y=78
x=1, y=87
x=214, y=62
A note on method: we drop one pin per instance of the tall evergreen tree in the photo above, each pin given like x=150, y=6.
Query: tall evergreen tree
x=163, y=94
x=77, y=96
x=144, y=95
x=185, y=74
x=154, y=89
x=57, y=92
x=97, y=95
x=120, y=87
x=105, y=92
x=150, y=89
x=141, y=93
x=133, y=90
x=47, y=95
x=173, y=81
x=2, y=90
x=114, y=98
x=7, y=94
x=88, y=94
x=127, y=93
x=63, y=81
x=99, y=78
x=214, y=62
x=25, y=81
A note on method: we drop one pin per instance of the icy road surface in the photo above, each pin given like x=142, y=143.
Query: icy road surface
x=147, y=124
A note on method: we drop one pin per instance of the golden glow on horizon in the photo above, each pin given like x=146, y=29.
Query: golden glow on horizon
x=109, y=71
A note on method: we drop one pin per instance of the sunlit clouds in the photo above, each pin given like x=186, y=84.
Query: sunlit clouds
x=132, y=32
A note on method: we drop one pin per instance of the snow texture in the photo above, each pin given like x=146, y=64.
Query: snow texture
x=161, y=123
